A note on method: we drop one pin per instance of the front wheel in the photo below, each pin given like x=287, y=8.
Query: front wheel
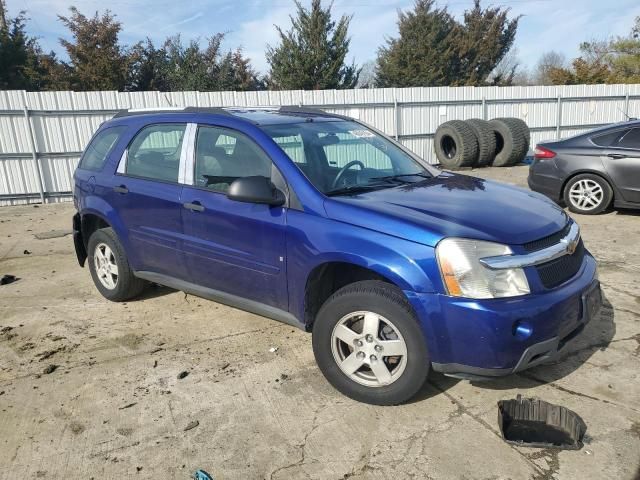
x=368, y=344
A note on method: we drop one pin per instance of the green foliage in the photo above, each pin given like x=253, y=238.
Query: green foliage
x=23, y=65
x=311, y=56
x=176, y=66
x=97, y=60
x=433, y=49
x=616, y=60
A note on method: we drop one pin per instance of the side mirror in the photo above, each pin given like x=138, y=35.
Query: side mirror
x=256, y=189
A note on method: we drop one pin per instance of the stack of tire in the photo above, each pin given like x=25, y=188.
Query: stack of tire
x=501, y=142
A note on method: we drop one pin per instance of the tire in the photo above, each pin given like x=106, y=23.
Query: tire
x=456, y=145
x=486, y=141
x=396, y=320
x=599, y=195
x=105, y=248
x=510, y=142
x=524, y=130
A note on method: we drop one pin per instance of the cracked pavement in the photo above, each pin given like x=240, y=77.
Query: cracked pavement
x=114, y=408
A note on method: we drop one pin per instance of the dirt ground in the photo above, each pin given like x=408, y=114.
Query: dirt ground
x=112, y=406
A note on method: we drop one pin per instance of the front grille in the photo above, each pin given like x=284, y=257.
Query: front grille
x=558, y=271
x=547, y=241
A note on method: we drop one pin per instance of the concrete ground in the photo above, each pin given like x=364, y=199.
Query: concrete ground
x=113, y=406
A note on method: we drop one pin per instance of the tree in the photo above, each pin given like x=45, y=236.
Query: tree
x=424, y=51
x=484, y=39
x=616, y=60
x=549, y=62
x=434, y=49
x=97, y=60
x=175, y=67
x=23, y=65
x=147, y=68
x=367, y=77
x=311, y=56
x=507, y=70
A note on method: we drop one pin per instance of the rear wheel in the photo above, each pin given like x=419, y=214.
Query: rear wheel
x=588, y=194
x=368, y=344
x=110, y=268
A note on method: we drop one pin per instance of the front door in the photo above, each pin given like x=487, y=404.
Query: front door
x=229, y=246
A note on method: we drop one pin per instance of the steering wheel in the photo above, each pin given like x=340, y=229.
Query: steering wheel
x=344, y=169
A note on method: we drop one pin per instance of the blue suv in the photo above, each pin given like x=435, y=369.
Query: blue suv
x=322, y=222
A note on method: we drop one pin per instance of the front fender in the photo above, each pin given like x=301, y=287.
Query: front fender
x=314, y=240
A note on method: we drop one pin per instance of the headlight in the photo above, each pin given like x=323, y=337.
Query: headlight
x=465, y=276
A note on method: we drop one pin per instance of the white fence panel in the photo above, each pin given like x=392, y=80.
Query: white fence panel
x=43, y=133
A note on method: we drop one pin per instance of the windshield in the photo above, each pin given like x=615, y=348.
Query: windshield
x=345, y=157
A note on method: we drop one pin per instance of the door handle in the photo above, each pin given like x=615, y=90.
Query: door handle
x=194, y=206
x=121, y=189
x=616, y=156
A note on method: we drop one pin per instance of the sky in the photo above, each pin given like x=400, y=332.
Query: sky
x=545, y=25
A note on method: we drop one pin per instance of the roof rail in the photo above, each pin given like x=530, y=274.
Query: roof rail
x=147, y=111
x=301, y=109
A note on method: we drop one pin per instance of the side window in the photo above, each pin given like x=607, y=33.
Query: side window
x=155, y=152
x=223, y=156
x=96, y=153
x=607, y=139
x=631, y=139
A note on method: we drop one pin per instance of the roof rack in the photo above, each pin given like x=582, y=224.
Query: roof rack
x=301, y=109
x=147, y=111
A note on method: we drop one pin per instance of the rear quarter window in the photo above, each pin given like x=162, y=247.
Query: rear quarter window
x=98, y=150
x=607, y=139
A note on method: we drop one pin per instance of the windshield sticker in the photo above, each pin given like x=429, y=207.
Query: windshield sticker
x=362, y=133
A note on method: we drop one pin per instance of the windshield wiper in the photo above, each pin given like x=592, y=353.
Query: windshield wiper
x=400, y=176
x=356, y=189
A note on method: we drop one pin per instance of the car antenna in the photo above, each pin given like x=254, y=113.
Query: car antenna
x=167, y=99
x=629, y=118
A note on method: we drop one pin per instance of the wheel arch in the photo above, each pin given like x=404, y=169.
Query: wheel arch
x=329, y=276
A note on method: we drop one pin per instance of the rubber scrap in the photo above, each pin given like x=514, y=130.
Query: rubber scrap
x=531, y=422
x=7, y=279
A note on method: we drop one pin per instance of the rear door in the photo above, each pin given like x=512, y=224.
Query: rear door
x=233, y=247
x=622, y=163
x=146, y=192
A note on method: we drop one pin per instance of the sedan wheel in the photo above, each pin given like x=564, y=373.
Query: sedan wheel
x=369, y=349
x=586, y=194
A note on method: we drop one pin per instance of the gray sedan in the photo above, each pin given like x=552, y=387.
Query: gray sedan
x=591, y=171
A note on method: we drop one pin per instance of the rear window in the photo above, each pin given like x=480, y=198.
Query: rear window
x=607, y=139
x=96, y=153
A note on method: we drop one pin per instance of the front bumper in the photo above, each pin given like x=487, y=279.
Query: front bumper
x=478, y=338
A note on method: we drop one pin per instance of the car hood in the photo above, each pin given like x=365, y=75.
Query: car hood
x=452, y=205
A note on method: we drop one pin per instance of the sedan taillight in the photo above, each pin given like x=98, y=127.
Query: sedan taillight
x=542, y=153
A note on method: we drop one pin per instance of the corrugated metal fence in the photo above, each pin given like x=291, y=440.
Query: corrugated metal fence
x=43, y=133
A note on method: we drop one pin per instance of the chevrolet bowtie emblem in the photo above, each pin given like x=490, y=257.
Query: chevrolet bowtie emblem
x=571, y=246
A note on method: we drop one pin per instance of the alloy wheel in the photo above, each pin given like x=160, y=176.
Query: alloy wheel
x=106, y=267
x=369, y=349
x=586, y=194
